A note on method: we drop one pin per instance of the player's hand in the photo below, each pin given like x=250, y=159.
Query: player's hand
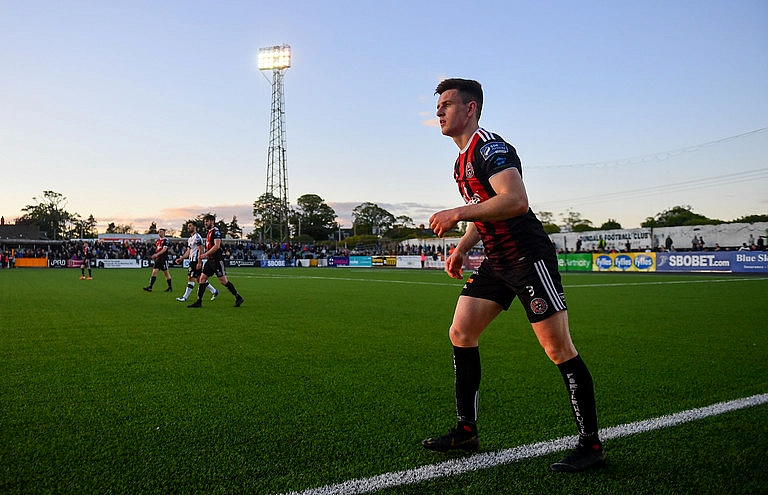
x=453, y=265
x=443, y=221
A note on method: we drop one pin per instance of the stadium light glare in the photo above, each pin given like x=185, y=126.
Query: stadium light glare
x=274, y=58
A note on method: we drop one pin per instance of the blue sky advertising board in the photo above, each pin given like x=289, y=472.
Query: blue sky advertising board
x=750, y=262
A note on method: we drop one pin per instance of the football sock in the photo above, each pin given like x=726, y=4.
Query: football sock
x=169, y=284
x=212, y=289
x=82, y=271
x=466, y=363
x=581, y=392
x=187, y=292
x=201, y=290
x=231, y=288
x=152, y=281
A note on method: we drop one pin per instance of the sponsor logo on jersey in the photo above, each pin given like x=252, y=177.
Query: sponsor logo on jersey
x=539, y=306
x=493, y=148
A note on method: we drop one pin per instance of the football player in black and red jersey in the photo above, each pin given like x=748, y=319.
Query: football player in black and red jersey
x=520, y=263
x=215, y=264
x=86, y=262
x=161, y=262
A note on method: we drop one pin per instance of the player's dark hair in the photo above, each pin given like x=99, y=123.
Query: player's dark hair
x=209, y=217
x=468, y=89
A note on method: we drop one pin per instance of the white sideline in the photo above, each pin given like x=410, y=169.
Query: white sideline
x=492, y=459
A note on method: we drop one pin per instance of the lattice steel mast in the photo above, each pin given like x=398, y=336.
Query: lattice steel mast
x=277, y=59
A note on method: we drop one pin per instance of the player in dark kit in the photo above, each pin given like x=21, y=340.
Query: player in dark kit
x=214, y=265
x=161, y=262
x=520, y=263
x=86, y=262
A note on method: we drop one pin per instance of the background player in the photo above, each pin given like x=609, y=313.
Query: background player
x=86, y=262
x=214, y=265
x=161, y=262
x=194, y=248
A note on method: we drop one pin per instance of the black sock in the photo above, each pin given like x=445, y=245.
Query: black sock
x=169, y=284
x=201, y=290
x=231, y=287
x=466, y=363
x=581, y=393
x=152, y=281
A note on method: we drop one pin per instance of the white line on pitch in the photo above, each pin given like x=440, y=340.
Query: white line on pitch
x=492, y=459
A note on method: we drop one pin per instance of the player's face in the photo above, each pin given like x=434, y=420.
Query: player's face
x=191, y=228
x=452, y=113
x=208, y=224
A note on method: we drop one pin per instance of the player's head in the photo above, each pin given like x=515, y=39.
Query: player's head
x=209, y=220
x=467, y=89
x=191, y=227
x=161, y=232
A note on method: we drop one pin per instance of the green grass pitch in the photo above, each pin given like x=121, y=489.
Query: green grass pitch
x=327, y=375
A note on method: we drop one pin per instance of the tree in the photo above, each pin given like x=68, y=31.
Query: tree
x=313, y=217
x=678, y=216
x=48, y=213
x=234, y=229
x=268, y=214
x=152, y=228
x=611, y=224
x=752, y=219
x=548, y=222
x=120, y=229
x=369, y=218
x=575, y=223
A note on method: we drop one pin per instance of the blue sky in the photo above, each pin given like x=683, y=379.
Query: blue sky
x=154, y=111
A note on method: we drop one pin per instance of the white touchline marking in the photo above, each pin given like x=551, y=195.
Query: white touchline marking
x=491, y=459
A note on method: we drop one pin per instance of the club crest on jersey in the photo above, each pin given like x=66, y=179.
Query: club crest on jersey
x=539, y=306
x=469, y=171
x=493, y=148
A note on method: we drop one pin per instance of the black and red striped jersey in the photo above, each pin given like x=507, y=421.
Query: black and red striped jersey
x=213, y=234
x=160, y=243
x=509, y=241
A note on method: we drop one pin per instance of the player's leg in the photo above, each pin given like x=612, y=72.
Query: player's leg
x=152, y=279
x=167, y=277
x=471, y=316
x=202, y=285
x=554, y=336
x=222, y=275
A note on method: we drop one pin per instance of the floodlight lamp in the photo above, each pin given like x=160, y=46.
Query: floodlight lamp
x=274, y=57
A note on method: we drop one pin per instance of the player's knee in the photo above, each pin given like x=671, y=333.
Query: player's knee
x=460, y=338
x=560, y=354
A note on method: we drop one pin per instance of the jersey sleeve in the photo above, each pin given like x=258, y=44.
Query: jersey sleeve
x=495, y=156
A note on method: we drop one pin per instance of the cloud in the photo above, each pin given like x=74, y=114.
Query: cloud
x=431, y=122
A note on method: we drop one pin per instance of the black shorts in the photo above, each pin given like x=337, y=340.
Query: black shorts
x=161, y=264
x=536, y=284
x=212, y=267
x=194, y=272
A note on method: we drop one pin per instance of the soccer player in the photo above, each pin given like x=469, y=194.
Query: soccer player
x=86, y=262
x=214, y=265
x=520, y=262
x=194, y=247
x=161, y=261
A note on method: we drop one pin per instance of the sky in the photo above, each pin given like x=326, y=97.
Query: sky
x=146, y=111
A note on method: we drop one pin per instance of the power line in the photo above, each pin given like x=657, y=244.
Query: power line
x=664, y=155
x=735, y=178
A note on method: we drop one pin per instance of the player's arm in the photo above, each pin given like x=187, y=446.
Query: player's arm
x=183, y=256
x=216, y=246
x=510, y=201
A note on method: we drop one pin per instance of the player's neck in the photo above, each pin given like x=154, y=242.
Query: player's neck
x=462, y=139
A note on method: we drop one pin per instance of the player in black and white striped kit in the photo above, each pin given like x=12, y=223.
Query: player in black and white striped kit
x=520, y=263
x=194, y=248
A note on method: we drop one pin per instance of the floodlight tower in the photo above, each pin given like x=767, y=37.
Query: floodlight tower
x=277, y=59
